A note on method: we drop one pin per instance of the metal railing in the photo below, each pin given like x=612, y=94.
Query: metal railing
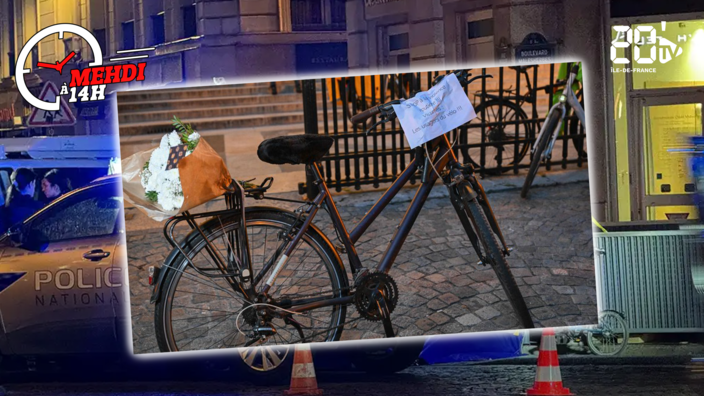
x=510, y=110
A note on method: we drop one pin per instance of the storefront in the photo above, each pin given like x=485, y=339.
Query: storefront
x=655, y=90
x=656, y=107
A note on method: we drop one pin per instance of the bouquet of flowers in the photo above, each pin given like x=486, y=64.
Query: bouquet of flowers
x=181, y=173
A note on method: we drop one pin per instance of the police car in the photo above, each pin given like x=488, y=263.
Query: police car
x=61, y=275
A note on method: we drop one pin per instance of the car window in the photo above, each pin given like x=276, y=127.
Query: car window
x=91, y=213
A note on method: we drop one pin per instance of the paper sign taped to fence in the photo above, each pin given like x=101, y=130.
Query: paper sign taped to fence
x=439, y=110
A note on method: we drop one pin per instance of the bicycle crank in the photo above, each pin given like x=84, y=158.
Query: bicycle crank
x=369, y=290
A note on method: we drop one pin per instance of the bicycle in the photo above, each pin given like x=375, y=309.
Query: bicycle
x=542, y=150
x=285, y=275
x=608, y=338
x=504, y=122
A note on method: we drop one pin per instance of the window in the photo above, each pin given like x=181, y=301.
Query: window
x=317, y=15
x=481, y=28
x=190, y=23
x=396, y=49
x=100, y=36
x=398, y=42
x=90, y=214
x=338, y=12
x=158, y=34
x=128, y=35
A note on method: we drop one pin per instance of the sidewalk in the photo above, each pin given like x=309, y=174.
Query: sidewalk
x=442, y=289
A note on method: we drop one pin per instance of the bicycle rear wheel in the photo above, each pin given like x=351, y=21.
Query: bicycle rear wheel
x=540, y=146
x=493, y=253
x=198, y=312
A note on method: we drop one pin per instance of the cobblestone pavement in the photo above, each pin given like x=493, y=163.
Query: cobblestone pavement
x=442, y=289
x=456, y=379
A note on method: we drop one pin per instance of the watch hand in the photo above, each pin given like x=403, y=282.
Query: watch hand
x=63, y=62
x=59, y=65
x=48, y=65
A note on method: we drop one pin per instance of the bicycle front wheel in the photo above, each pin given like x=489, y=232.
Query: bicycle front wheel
x=198, y=312
x=493, y=253
x=540, y=146
x=610, y=337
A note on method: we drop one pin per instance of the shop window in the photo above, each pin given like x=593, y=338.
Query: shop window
x=158, y=33
x=190, y=23
x=317, y=15
x=128, y=35
x=656, y=64
x=657, y=56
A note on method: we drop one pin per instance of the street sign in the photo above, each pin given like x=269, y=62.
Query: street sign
x=535, y=48
x=61, y=117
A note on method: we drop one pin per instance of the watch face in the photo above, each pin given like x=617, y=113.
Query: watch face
x=60, y=30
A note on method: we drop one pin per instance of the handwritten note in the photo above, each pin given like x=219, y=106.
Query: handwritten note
x=437, y=111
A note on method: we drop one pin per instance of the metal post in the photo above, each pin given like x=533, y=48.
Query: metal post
x=310, y=124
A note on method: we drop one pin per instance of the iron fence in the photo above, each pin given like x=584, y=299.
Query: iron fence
x=511, y=107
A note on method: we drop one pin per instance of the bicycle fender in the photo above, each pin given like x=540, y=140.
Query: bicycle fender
x=469, y=193
x=174, y=255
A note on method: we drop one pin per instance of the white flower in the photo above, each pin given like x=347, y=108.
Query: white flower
x=169, y=190
x=151, y=184
x=194, y=137
x=174, y=139
x=166, y=183
x=158, y=160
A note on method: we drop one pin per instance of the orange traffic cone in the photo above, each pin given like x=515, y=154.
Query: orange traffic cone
x=548, y=380
x=303, y=380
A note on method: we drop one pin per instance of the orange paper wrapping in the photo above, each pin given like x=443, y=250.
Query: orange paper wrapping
x=203, y=175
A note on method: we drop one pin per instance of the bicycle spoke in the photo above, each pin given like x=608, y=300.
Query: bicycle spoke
x=201, y=305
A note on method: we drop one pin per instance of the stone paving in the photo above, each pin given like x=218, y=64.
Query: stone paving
x=442, y=289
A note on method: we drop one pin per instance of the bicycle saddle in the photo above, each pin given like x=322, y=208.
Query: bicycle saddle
x=296, y=149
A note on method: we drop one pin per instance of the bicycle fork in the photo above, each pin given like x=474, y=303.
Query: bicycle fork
x=547, y=154
x=461, y=193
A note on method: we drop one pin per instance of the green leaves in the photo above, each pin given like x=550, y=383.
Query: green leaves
x=152, y=196
x=185, y=130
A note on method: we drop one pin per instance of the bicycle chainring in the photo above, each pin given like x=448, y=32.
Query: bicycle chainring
x=366, y=287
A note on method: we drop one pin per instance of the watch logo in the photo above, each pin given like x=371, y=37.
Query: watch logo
x=661, y=49
x=86, y=84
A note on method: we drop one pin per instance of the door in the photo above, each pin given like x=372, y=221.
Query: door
x=664, y=124
x=65, y=300
x=394, y=45
x=477, y=31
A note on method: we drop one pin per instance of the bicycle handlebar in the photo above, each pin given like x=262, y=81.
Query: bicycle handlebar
x=363, y=116
x=387, y=110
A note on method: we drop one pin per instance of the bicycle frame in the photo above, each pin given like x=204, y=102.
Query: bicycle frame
x=567, y=97
x=444, y=159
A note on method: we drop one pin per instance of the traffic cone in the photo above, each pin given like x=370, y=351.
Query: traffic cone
x=303, y=380
x=548, y=380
